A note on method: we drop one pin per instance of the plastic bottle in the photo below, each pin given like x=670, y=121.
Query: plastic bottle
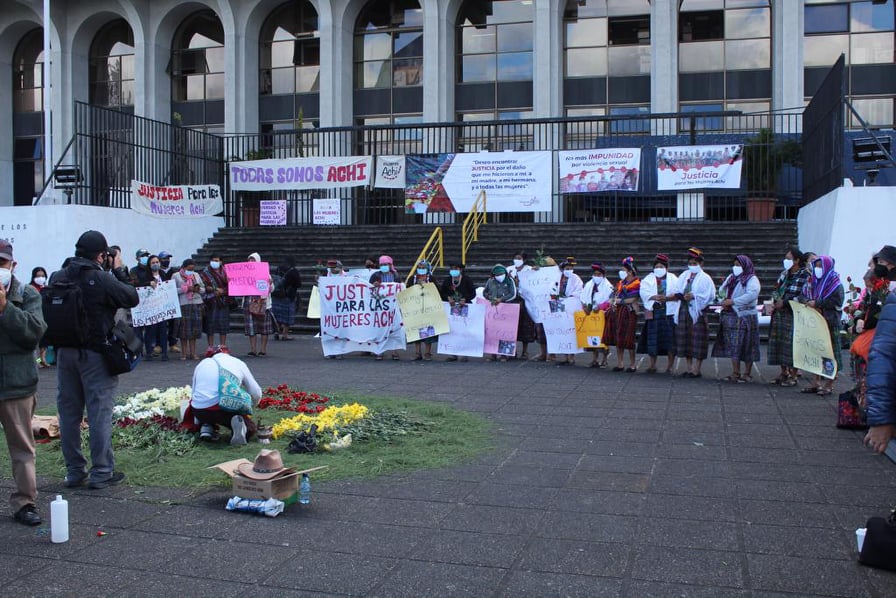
x=59, y=520
x=305, y=490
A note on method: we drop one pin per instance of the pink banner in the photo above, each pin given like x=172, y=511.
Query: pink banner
x=248, y=279
x=501, y=322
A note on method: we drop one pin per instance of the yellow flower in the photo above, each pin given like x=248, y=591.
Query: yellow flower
x=327, y=420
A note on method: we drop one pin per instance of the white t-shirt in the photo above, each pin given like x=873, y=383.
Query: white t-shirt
x=205, y=379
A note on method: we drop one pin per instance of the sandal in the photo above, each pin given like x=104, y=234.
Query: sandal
x=618, y=368
x=379, y=358
x=418, y=358
x=789, y=382
x=745, y=379
x=396, y=358
x=731, y=378
x=631, y=370
x=823, y=392
x=810, y=390
x=594, y=364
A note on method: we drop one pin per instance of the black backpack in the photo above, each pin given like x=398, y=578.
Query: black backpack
x=64, y=313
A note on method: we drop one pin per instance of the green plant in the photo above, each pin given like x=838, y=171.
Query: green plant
x=764, y=157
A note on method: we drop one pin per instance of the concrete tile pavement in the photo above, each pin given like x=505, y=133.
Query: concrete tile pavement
x=602, y=484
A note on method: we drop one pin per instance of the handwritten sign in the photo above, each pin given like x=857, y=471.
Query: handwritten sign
x=356, y=316
x=421, y=311
x=246, y=279
x=466, y=331
x=273, y=212
x=536, y=287
x=325, y=211
x=812, y=350
x=590, y=329
x=560, y=325
x=314, y=304
x=176, y=201
x=156, y=304
x=501, y=322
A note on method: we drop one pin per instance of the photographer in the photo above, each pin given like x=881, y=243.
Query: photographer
x=83, y=377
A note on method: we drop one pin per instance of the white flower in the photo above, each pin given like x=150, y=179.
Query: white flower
x=146, y=404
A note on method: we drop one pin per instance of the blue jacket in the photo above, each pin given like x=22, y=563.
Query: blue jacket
x=881, y=374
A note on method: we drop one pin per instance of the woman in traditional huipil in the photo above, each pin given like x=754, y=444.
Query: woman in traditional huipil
x=525, y=331
x=660, y=312
x=739, y=328
x=423, y=275
x=696, y=291
x=624, y=312
x=596, y=296
x=500, y=288
x=824, y=292
x=780, y=334
x=569, y=285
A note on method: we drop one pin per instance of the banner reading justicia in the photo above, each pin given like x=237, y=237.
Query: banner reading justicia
x=698, y=167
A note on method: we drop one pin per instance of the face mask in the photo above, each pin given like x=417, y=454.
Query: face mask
x=597, y=279
x=788, y=264
x=421, y=271
x=144, y=261
x=659, y=272
x=819, y=272
x=215, y=265
x=40, y=280
x=166, y=263
x=500, y=277
x=5, y=277
x=623, y=274
x=737, y=270
x=384, y=268
x=568, y=273
x=155, y=267
x=454, y=273
x=189, y=273
x=694, y=268
x=518, y=263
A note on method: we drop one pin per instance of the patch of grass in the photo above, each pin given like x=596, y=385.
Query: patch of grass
x=450, y=437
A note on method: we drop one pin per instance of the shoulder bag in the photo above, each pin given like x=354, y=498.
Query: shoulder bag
x=232, y=397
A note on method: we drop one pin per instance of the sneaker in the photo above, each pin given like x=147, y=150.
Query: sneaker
x=206, y=432
x=238, y=424
x=27, y=515
x=113, y=480
x=74, y=481
x=174, y=348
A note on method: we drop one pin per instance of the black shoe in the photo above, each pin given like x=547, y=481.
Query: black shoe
x=114, y=480
x=71, y=481
x=27, y=515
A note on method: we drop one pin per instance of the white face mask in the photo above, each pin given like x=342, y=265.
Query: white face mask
x=788, y=264
x=215, y=265
x=659, y=272
x=694, y=268
x=518, y=263
x=597, y=279
x=623, y=274
x=5, y=277
x=500, y=277
x=819, y=272
x=41, y=280
x=568, y=273
x=737, y=270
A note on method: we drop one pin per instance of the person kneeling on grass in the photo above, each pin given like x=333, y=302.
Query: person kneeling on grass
x=204, y=408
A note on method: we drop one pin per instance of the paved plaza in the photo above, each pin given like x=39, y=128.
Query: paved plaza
x=601, y=484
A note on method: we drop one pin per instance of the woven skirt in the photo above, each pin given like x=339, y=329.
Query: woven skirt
x=625, y=325
x=284, y=311
x=691, y=338
x=780, y=338
x=216, y=320
x=190, y=321
x=658, y=335
x=525, y=332
x=263, y=325
x=738, y=337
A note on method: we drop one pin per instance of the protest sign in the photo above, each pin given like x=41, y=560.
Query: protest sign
x=421, y=312
x=560, y=326
x=698, y=167
x=314, y=304
x=156, y=304
x=246, y=279
x=590, y=329
x=390, y=172
x=273, y=212
x=599, y=170
x=535, y=287
x=812, y=350
x=325, y=211
x=501, y=322
x=176, y=201
x=466, y=330
x=318, y=172
x=356, y=316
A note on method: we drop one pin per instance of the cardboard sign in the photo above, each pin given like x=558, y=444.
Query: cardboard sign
x=273, y=212
x=466, y=330
x=247, y=279
x=590, y=329
x=356, y=316
x=560, y=325
x=156, y=304
x=422, y=313
x=812, y=350
x=536, y=287
x=501, y=322
x=314, y=304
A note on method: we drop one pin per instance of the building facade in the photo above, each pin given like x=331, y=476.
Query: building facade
x=256, y=66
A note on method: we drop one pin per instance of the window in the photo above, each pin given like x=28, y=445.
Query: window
x=197, y=59
x=827, y=18
x=627, y=31
x=290, y=51
x=389, y=45
x=112, y=65
x=495, y=41
x=700, y=26
x=27, y=73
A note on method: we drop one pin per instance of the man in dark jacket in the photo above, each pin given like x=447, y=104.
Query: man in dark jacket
x=881, y=380
x=83, y=378
x=21, y=326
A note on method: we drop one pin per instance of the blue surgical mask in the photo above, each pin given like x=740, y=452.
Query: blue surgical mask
x=454, y=273
x=384, y=268
x=421, y=271
x=155, y=267
x=144, y=260
x=215, y=265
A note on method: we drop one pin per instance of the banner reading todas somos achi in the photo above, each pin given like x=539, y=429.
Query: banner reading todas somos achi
x=176, y=201
x=599, y=170
x=699, y=167
x=301, y=173
x=356, y=316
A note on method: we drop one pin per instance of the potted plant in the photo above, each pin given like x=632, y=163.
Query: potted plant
x=764, y=157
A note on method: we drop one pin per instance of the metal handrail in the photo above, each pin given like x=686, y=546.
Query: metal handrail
x=433, y=252
x=470, y=232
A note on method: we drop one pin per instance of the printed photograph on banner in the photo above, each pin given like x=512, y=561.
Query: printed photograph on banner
x=390, y=172
x=423, y=190
x=460, y=310
x=272, y=212
x=507, y=347
x=699, y=167
x=599, y=170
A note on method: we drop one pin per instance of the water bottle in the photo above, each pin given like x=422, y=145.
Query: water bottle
x=305, y=490
x=59, y=520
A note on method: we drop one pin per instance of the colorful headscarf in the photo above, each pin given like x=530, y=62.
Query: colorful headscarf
x=385, y=259
x=629, y=263
x=822, y=287
x=695, y=254
x=749, y=271
x=498, y=270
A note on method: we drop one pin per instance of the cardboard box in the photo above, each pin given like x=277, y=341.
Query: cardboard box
x=285, y=487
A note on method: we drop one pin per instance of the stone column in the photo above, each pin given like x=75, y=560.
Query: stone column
x=787, y=55
x=663, y=63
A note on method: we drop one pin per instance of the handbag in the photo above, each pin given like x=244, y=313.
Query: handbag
x=257, y=307
x=850, y=414
x=232, y=397
x=879, y=547
x=122, y=348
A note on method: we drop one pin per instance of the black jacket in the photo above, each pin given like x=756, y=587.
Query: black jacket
x=103, y=293
x=141, y=276
x=465, y=289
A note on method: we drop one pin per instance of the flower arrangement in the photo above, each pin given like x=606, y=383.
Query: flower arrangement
x=152, y=402
x=328, y=420
x=285, y=398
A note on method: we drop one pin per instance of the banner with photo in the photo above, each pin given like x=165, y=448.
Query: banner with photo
x=560, y=325
x=466, y=330
x=390, y=172
x=272, y=212
x=421, y=311
x=513, y=182
x=156, y=304
x=501, y=323
x=536, y=288
x=301, y=173
x=176, y=201
x=590, y=329
x=599, y=170
x=686, y=167
x=812, y=349
x=355, y=316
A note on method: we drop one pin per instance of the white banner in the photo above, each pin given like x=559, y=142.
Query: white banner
x=177, y=201
x=466, y=331
x=273, y=212
x=513, y=181
x=156, y=304
x=560, y=325
x=356, y=317
x=301, y=173
x=390, y=172
x=325, y=211
x=699, y=167
x=599, y=170
x=536, y=287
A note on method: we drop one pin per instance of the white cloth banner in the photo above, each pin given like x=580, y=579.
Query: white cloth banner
x=356, y=317
x=390, y=172
x=512, y=181
x=699, y=167
x=176, y=201
x=301, y=173
x=597, y=170
x=273, y=212
x=536, y=287
x=325, y=211
x=466, y=331
x=560, y=325
x=156, y=304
